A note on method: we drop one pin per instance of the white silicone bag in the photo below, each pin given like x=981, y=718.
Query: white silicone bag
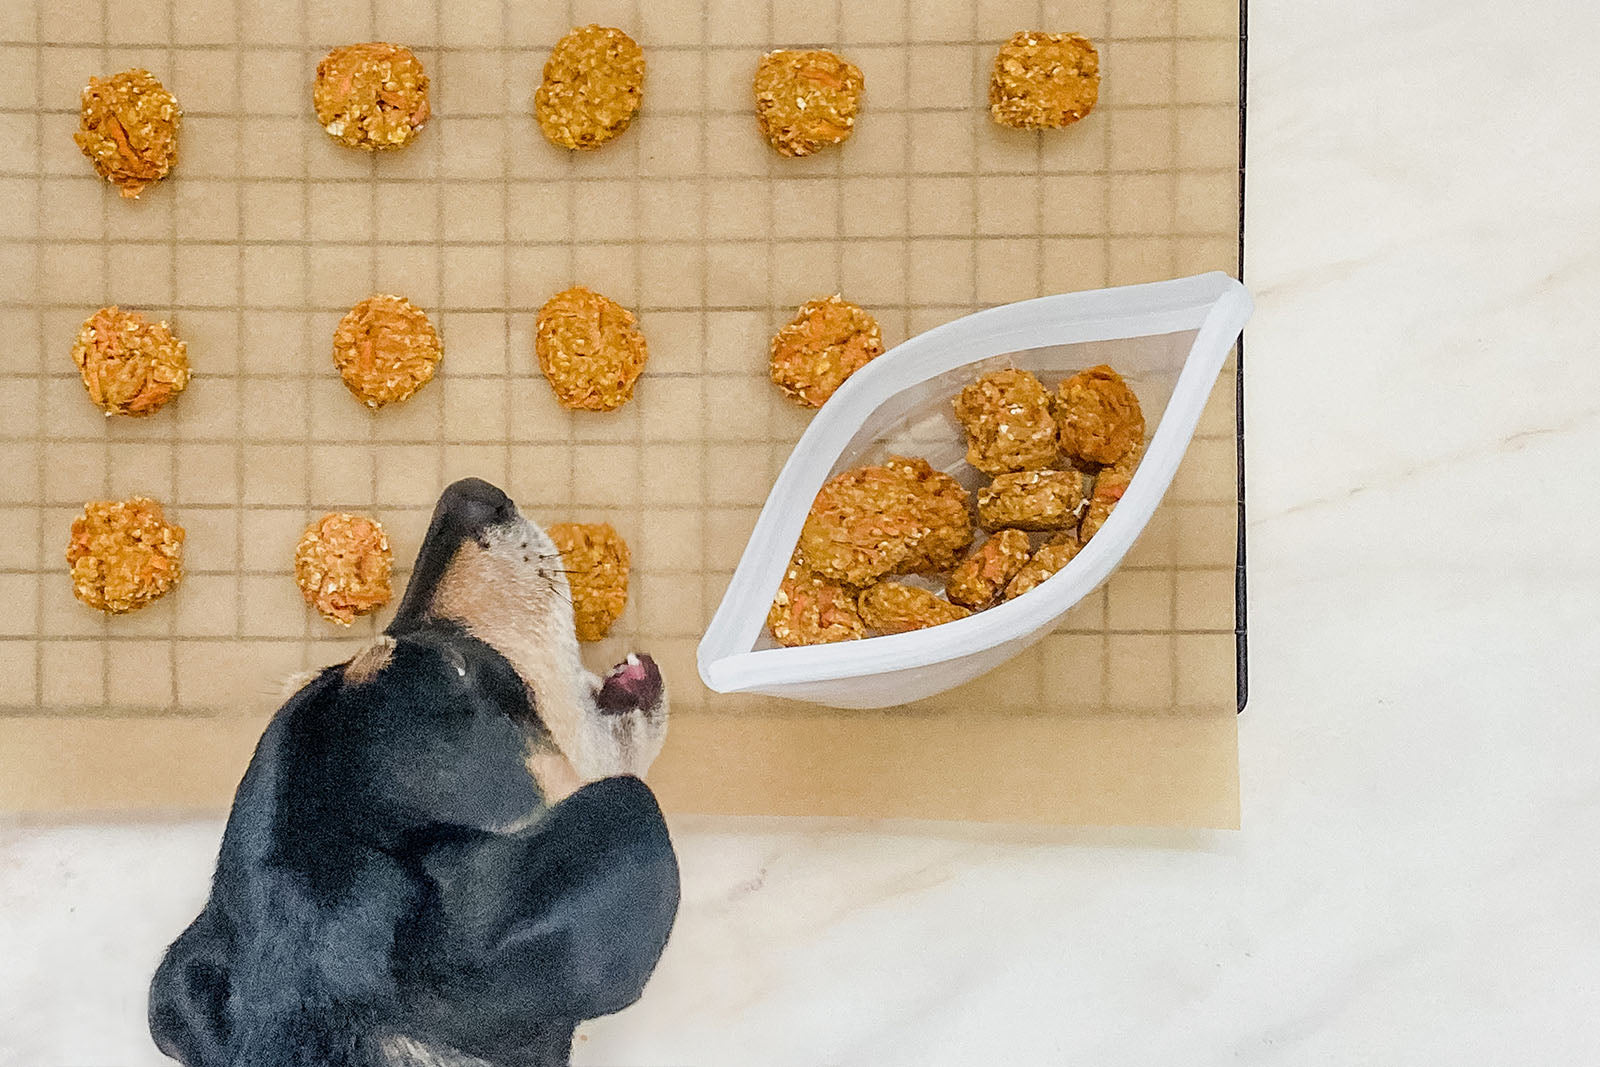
x=1169, y=339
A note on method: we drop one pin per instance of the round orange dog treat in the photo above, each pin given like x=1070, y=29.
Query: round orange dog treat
x=1033, y=500
x=124, y=554
x=806, y=100
x=371, y=96
x=129, y=129
x=589, y=350
x=385, y=349
x=980, y=579
x=811, y=610
x=829, y=340
x=129, y=366
x=593, y=83
x=597, y=560
x=1044, y=80
x=1098, y=416
x=899, y=517
x=896, y=608
x=1051, y=557
x=1109, y=485
x=1006, y=414
x=342, y=566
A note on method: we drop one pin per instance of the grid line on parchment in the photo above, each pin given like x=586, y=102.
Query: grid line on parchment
x=312, y=243
x=506, y=174
x=43, y=345
x=1172, y=227
x=105, y=275
x=572, y=263
x=576, y=179
x=518, y=49
x=634, y=618
x=173, y=467
x=1041, y=675
x=376, y=283
x=303, y=17
x=907, y=169
x=710, y=112
x=438, y=269
x=240, y=456
x=702, y=318
x=1106, y=273
x=770, y=236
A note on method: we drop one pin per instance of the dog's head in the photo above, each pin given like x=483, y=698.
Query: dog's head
x=429, y=743
x=435, y=722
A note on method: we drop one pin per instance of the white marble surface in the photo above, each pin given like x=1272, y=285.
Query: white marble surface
x=1416, y=881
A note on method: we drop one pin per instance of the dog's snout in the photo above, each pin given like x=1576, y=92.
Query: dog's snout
x=474, y=505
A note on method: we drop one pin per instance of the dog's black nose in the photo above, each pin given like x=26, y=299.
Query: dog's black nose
x=472, y=504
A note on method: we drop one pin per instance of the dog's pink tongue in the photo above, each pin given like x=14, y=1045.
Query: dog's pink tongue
x=633, y=684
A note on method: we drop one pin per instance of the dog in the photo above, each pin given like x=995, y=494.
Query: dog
x=442, y=852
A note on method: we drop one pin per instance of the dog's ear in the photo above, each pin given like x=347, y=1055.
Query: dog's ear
x=601, y=885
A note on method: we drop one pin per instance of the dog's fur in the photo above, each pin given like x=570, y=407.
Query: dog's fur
x=440, y=853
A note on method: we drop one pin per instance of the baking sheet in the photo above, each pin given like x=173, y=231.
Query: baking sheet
x=269, y=230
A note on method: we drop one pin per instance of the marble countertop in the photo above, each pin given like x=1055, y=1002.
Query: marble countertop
x=1415, y=880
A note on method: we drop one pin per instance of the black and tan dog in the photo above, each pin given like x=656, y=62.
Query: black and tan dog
x=441, y=853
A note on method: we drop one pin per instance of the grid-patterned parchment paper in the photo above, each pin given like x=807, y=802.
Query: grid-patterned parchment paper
x=269, y=230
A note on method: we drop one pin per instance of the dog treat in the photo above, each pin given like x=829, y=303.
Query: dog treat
x=596, y=559
x=1006, y=414
x=1098, y=416
x=589, y=350
x=385, y=349
x=896, y=518
x=811, y=610
x=342, y=566
x=829, y=340
x=896, y=608
x=978, y=580
x=1033, y=500
x=806, y=100
x=129, y=129
x=371, y=96
x=1109, y=486
x=1051, y=557
x=129, y=366
x=1044, y=80
x=593, y=83
x=124, y=554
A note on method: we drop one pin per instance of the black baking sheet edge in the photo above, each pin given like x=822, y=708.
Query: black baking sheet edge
x=1241, y=638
